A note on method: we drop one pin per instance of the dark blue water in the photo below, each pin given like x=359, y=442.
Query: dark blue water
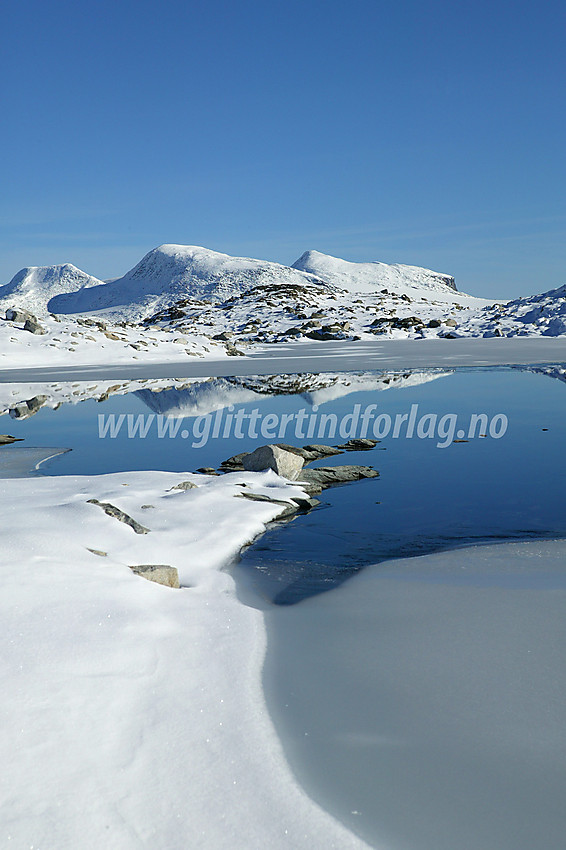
x=426, y=498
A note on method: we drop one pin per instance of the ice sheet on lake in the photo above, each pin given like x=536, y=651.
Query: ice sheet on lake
x=424, y=701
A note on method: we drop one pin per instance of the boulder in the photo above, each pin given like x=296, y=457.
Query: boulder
x=284, y=463
x=33, y=326
x=159, y=573
x=325, y=476
x=28, y=408
x=15, y=315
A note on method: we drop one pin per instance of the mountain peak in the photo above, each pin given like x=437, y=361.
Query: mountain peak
x=374, y=276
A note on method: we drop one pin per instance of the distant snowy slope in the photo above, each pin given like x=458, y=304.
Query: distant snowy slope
x=32, y=288
x=171, y=272
x=537, y=315
x=369, y=277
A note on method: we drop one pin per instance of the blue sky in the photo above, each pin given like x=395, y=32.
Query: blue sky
x=425, y=133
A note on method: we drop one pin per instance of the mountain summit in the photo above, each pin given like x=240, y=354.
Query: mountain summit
x=32, y=288
x=369, y=277
x=170, y=272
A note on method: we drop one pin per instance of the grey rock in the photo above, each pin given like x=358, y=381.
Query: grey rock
x=434, y=323
x=234, y=463
x=224, y=336
x=15, y=315
x=207, y=470
x=284, y=463
x=113, y=511
x=28, y=408
x=184, y=485
x=359, y=444
x=451, y=323
x=159, y=573
x=311, y=452
x=6, y=439
x=288, y=509
x=34, y=327
x=98, y=552
x=325, y=476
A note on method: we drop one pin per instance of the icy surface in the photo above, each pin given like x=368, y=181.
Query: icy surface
x=424, y=701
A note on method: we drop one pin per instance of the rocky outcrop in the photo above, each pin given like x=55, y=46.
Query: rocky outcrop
x=325, y=476
x=33, y=326
x=28, y=408
x=358, y=444
x=284, y=463
x=6, y=439
x=113, y=511
x=15, y=315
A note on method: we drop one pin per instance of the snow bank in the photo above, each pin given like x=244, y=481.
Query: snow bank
x=133, y=714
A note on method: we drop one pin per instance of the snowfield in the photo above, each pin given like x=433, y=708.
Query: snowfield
x=133, y=714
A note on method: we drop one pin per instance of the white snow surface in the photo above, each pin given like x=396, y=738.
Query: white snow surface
x=370, y=277
x=537, y=315
x=133, y=714
x=66, y=341
x=32, y=288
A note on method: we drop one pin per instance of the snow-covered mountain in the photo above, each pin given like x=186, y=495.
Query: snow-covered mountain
x=372, y=277
x=173, y=272
x=537, y=315
x=33, y=288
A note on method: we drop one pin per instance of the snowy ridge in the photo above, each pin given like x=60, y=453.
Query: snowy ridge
x=170, y=272
x=369, y=277
x=32, y=288
x=537, y=315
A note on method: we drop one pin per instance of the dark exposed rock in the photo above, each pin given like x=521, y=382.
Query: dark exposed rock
x=6, y=439
x=28, y=408
x=207, y=470
x=312, y=452
x=359, y=444
x=113, y=511
x=33, y=326
x=325, y=476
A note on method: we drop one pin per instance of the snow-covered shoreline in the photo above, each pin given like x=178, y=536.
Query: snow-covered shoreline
x=133, y=713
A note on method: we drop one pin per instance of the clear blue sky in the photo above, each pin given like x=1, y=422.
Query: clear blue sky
x=430, y=133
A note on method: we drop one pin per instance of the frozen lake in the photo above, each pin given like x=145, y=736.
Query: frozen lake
x=415, y=677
